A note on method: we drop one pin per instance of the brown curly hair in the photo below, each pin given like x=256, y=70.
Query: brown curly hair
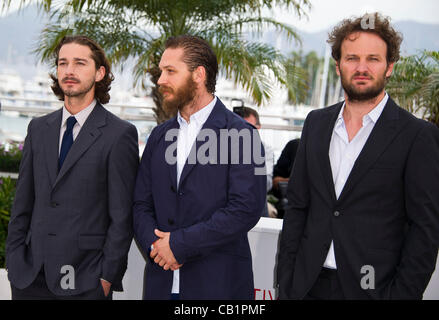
x=102, y=87
x=380, y=26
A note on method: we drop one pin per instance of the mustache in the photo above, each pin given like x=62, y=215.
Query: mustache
x=163, y=89
x=69, y=79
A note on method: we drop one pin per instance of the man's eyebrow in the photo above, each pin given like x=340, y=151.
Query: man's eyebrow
x=355, y=55
x=75, y=59
x=169, y=66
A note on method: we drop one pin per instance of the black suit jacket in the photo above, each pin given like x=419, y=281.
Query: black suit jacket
x=284, y=164
x=81, y=216
x=387, y=215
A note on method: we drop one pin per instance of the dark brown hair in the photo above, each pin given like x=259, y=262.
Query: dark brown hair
x=372, y=23
x=247, y=112
x=197, y=52
x=102, y=87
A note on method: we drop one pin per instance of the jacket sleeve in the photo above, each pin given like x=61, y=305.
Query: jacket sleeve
x=295, y=217
x=144, y=218
x=420, y=249
x=122, y=170
x=21, y=213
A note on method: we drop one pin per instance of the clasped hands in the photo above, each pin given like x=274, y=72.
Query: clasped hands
x=162, y=253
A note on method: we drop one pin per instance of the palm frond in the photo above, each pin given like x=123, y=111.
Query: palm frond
x=137, y=29
x=415, y=84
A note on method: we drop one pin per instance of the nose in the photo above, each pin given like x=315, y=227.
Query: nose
x=362, y=66
x=162, y=79
x=69, y=69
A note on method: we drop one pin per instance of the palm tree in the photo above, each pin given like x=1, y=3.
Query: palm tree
x=297, y=75
x=307, y=69
x=137, y=29
x=415, y=84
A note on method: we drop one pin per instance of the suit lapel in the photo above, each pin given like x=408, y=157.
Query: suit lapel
x=382, y=134
x=51, y=144
x=323, y=151
x=191, y=161
x=86, y=137
x=215, y=121
x=172, y=168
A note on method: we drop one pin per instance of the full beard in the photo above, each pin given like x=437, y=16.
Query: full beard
x=355, y=95
x=182, y=96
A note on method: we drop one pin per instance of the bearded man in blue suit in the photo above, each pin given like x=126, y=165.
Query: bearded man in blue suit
x=191, y=216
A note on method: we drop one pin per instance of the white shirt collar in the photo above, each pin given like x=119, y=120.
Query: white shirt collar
x=200, y=116
x=81, y=116
x=373, y=115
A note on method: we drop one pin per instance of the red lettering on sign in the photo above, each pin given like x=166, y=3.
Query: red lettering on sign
x=265, y=296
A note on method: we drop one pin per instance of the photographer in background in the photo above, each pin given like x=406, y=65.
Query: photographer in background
x=251, y=116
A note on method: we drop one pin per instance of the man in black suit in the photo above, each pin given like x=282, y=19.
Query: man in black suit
x=281, y=174
x=71, y=222
x=363, y=214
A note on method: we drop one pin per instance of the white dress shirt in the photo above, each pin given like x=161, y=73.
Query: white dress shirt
x=81, y=117
x=187, y=135
x=343, y=154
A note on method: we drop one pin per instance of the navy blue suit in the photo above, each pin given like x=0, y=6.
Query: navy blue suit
x=208, y=215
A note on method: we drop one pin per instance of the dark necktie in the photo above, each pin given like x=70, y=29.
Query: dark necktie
x=67, y=141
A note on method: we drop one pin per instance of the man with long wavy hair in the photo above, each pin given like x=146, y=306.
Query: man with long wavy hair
x=71, y=223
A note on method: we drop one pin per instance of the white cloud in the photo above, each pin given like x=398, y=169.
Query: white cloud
x=324, y=14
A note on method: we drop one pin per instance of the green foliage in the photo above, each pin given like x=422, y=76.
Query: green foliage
x=297, y=74
x=306, y=71
x=137, y=30
x=272, y=199
x=10, y=157
x=7, y=194
x=414, y=84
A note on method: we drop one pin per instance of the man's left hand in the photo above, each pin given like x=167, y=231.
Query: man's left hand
x=162, y=253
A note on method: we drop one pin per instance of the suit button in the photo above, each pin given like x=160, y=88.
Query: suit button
x=54, y=204
x=170, y=221
x=336, y=213
x=181, y=193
